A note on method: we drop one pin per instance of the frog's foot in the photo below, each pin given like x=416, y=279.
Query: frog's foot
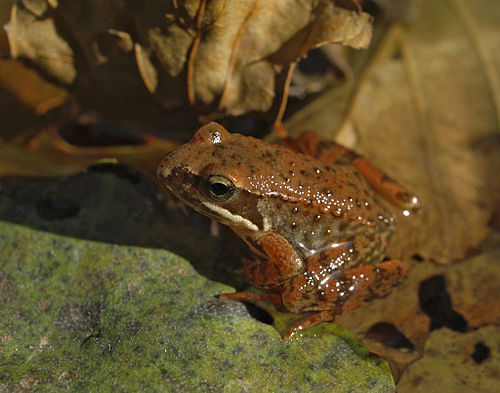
x=274, y=298
x=322, y=316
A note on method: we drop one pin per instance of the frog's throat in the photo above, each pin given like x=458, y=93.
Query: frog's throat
x=231, y=217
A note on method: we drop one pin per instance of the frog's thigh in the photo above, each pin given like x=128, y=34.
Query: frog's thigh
x=330, y=153
x=282, y=262
x=385, y=186
x=341, y=291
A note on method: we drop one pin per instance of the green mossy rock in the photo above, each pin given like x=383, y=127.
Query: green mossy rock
x=85, y=316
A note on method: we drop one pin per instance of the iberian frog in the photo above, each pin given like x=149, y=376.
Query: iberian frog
x=314, y=215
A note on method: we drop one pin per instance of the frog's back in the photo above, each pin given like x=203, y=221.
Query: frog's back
x=288, y=176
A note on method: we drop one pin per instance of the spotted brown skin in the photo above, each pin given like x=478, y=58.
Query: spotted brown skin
x=309, y=213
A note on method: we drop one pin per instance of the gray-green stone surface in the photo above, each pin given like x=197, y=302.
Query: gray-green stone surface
x=86, y=315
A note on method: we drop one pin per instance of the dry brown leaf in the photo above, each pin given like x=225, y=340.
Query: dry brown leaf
x=474, y=289
x=29, y=88
x=455, y=362
x=224, y=56
x=47, y=154
x=31, y=144
x=37, y=39
x=420, y=111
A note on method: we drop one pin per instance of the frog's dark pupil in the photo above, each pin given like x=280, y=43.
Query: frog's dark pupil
x=219, y=189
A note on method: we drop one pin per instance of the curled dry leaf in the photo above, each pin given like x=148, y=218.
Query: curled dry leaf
x=38, y=39
x=224, y=56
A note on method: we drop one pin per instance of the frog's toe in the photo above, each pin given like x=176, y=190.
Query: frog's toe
x=297, y=327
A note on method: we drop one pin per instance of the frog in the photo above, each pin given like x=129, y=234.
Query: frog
x=316, y=216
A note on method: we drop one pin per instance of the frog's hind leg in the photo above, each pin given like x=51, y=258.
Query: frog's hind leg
x=385, y=186
x=338, y=292
x=330, y=153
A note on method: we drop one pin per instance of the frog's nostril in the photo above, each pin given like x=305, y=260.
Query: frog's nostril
x=169, y=155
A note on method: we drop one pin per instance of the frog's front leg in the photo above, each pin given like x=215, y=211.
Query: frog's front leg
x=281, y=262
x=332, y=293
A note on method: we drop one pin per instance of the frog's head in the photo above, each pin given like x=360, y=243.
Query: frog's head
x=209, y=173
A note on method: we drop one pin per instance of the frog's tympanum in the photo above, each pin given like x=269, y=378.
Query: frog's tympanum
x=315, y=215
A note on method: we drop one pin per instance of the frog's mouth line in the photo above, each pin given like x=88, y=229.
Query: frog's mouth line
x=231, y=217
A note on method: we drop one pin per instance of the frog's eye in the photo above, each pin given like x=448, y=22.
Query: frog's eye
x=219, y=188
